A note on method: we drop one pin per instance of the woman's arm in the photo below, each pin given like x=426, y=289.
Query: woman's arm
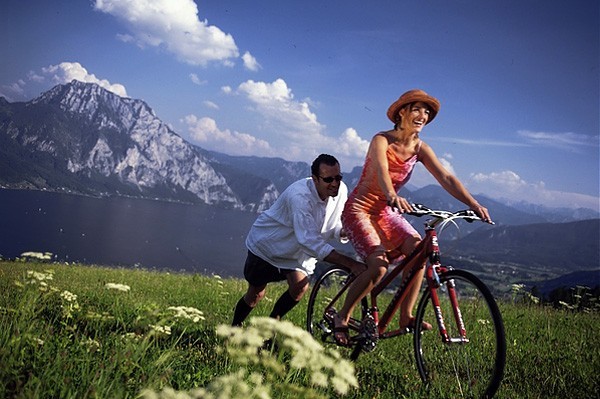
x=378, y=154
x=449, y=182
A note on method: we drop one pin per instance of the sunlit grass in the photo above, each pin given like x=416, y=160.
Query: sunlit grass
x=69, y=332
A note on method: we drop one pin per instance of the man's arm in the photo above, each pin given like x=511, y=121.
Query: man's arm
x=354, y=266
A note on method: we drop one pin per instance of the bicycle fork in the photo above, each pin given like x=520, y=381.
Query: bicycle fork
x=434, y=284
x=433, y=280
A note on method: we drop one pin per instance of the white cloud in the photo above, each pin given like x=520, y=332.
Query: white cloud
x=174, y=26
x=13, y=91
x=206, y=132
x=196, y=80
x=227, y=89
x=509, y=186
x=250, y=62
x=68, y=71
x=351, y=145
x=33, y=76
x=569, y=141
x=275, y=102
x=210, y=104
x=298, y=134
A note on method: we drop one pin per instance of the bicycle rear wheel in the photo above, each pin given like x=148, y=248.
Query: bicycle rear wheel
x=321, y=307
x=469, y=369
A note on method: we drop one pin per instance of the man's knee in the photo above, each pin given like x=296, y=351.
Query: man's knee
x=298, y=288
x=254, y=295
x=298, y=292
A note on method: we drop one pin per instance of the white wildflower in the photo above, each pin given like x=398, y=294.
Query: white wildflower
x=326, y=368
x=42, y=256
x=39, y=277
x=68, y=296
x=118, y=287
x=91, y=344
x=187, y=312
x=161, y=329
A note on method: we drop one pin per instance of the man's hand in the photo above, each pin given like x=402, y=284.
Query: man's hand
x=357, y=267
x=354, y=266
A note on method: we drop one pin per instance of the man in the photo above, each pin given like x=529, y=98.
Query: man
x=286, y=241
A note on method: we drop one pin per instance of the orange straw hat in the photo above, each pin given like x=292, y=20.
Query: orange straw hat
x=412, y=96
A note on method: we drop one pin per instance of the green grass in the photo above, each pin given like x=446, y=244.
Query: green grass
x=103, y=344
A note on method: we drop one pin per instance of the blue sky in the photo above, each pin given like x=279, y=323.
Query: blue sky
x=518, y=80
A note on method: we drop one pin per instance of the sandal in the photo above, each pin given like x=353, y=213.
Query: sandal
x=341, y=336
x=340, y=333
x=411, y=325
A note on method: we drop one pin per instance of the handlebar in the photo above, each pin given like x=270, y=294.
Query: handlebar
x=446, y=216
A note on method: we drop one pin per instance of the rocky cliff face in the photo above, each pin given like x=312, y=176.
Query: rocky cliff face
x=80, y=137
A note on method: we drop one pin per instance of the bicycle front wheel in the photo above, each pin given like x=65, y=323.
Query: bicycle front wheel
x=471, y=364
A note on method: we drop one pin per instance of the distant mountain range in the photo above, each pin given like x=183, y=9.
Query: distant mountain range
x=81, y=138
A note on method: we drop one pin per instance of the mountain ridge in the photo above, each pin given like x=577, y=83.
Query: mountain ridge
x=92, y=141
x=81, y=138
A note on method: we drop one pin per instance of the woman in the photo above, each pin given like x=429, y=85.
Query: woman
x=377, y=231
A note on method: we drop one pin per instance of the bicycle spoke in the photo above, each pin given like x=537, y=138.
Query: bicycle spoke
x=474, y=367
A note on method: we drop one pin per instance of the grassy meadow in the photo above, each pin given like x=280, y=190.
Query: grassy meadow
x=73, y=331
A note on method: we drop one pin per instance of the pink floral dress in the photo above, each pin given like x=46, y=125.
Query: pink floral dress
x=371, y=225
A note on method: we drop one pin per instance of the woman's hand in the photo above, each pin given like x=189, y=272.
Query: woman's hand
x=399, y=203
x=482, y=212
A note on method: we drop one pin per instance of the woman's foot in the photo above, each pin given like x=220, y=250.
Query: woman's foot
x=410, y=325
x=340, y=331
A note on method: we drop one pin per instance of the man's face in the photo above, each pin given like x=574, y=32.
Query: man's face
x=328, y=173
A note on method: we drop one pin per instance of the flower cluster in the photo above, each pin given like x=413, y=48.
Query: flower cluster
x=39, y=278
x=117, y=287
x=326, y=368
x=39, y=256
x=166, y=330
x=187, y=312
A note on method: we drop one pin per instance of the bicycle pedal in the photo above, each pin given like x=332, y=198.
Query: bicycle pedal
x=324, y=326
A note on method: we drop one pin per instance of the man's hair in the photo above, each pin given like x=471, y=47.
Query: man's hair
x=323, y=158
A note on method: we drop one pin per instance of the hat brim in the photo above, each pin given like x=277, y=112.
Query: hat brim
x=410, y=97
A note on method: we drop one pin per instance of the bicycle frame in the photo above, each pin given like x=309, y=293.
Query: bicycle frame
x=426, y=254
x=427, y=250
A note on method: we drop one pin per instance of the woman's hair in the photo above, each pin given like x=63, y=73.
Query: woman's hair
x=399, y=117
x=409, y=105
x=323, y=158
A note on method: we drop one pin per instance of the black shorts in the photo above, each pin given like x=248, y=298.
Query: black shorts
x=259, y=272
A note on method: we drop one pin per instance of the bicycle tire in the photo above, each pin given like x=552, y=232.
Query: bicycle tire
x=473, y=369
x=326, y=287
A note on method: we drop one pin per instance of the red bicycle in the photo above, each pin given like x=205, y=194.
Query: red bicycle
x=466, y=358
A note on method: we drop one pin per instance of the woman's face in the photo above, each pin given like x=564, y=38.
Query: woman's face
x=415, y=116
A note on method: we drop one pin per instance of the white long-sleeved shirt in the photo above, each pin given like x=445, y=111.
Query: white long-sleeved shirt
x=294, y=232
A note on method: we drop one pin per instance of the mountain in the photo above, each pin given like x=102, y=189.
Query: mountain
x=558, y=246
x=583, y=278
x=279, y=172
x=81, y=138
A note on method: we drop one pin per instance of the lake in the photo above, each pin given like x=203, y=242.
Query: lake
x=124, y=232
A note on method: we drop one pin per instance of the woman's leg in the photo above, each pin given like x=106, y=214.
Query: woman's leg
x=377, y=265
x=412, y=291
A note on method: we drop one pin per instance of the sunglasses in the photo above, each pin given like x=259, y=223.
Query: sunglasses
x=330, y=179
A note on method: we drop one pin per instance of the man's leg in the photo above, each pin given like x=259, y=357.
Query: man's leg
x=247, y=303
x=298, y=285
x=256, y=272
